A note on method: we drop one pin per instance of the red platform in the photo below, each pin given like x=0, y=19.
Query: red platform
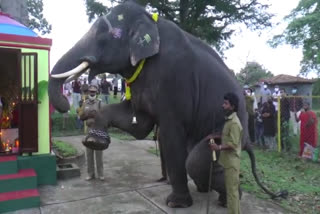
x=8, y=158
x=18, y=194
x=21, y=174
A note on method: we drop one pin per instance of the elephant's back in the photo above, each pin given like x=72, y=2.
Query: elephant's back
x=194, y=79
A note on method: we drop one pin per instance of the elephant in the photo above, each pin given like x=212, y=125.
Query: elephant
x=176, y=81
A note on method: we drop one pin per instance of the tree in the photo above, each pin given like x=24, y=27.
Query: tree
x=27, y=12
x=252, y=73
x=36, y=18
x=208, y=20
x=303, y=31
x=316, y=92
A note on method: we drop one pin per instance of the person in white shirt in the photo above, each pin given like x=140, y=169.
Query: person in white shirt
x=275, y=96
x=265, y=93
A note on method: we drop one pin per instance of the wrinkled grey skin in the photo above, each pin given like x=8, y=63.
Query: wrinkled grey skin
x=180, y=88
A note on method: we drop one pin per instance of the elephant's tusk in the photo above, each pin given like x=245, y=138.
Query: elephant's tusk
x=76, y=70
x=75, y=76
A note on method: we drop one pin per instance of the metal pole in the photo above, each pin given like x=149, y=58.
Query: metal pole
x=209, y=186
x=214, y=158
x=279, y=125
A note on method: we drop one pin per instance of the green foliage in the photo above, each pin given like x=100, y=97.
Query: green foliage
x=252, y=73
x=303, y=31
x=154, y=150
x=119, y=134
x=316, y=88
x=316, y=92
x=64, y=149
x=208, y=20
x=36, y=18
x=95, y=9
x=65, y=124
x=280, y=171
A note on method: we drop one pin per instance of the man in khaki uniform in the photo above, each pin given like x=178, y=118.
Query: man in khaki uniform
x=89, y=107
x=230, y=150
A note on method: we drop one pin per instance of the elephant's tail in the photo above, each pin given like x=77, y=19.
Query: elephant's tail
x=283, y=193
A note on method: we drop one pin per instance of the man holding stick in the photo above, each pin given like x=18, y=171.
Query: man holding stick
x=230, y=150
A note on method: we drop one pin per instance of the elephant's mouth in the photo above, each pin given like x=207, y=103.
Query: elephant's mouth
x=97, y=140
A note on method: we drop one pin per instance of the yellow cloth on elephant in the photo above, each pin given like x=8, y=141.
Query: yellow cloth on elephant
x=137, y=72
x=133, y=78
x=155, y=17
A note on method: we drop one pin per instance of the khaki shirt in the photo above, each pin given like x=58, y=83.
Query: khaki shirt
x=88, y=106
x=249, y=104
x=231, y=135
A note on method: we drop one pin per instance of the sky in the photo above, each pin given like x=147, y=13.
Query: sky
x=70, y=22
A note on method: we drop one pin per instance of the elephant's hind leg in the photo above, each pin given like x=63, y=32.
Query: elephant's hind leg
x=198, y=166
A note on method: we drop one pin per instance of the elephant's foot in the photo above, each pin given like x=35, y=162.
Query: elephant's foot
x=162, y=179
x=202, y=188
x=179, y=200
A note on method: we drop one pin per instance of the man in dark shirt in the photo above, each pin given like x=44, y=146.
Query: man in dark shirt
x=123, y=86
x=268, y=118
x=84, y=89
x=76, y=87
x=105, y=88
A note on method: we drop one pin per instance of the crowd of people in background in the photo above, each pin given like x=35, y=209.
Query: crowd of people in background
x=78, y=89
x=266, y=115
x=77, y=92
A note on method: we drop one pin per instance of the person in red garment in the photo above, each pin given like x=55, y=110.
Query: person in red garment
x=308, y=127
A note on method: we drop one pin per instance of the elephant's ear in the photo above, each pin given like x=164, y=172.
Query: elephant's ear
x=144, y=39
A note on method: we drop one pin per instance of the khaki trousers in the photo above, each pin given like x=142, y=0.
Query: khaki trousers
x=90, y=162
x=232, y=186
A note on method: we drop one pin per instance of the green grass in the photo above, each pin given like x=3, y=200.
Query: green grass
x=121, y=135
x=154, y=150
x=65, y=149
x=65, y=125
x=279, y=171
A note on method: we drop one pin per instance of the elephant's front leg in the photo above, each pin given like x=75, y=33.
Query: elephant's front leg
x=173, y=138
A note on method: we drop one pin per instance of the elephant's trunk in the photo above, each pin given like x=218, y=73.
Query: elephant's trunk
x=57, y=99
x=70, y=66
